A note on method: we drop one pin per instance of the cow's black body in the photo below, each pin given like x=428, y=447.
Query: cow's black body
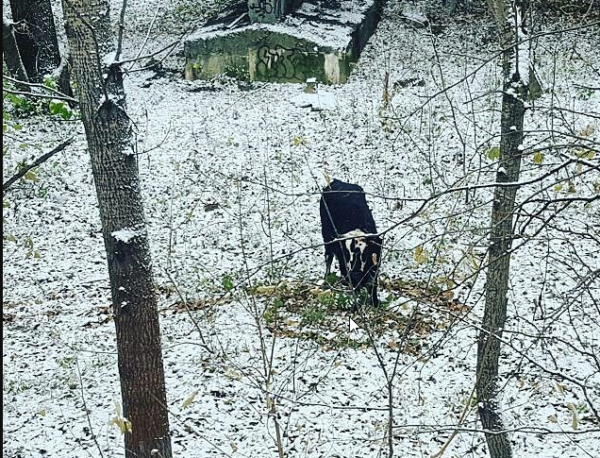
x=345, y=216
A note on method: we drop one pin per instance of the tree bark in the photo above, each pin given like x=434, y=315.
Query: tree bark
x=35, y=34
x=497, y=279
x=502, y=234
x=115, y=169
x=11, y=53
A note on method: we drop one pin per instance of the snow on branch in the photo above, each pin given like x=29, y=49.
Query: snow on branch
x=523, y=63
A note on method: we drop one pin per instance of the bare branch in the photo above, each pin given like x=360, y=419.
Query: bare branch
x=41, y=96
x=56, y=94
x=40, y=160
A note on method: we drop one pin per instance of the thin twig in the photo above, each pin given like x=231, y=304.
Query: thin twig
x=461, y=420
x=168, y=47
x=146, y=37
x=87, y=412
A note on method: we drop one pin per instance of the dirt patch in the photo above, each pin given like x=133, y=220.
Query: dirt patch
x=409, y=314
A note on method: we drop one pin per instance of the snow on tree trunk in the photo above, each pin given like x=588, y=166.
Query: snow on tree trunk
x=35, y=34
x=114, y=165
x=497, y=281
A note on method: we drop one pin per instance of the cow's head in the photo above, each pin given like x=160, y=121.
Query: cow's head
x=362, y=256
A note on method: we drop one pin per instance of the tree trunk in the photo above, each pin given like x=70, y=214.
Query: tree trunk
x=11, y=53
x=502, y=234
x=114, y=165
x=494, y=318
x=36, y=37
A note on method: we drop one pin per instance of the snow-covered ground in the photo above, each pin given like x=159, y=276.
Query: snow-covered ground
x=231, y=177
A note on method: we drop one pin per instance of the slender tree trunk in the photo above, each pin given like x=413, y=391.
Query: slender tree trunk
x=114, y=164
x=494, y=318
x=11, y=53
x=501, y=236
x=36, y=37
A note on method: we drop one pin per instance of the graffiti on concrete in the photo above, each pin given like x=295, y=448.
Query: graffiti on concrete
x=281, y=63
x=261, y=9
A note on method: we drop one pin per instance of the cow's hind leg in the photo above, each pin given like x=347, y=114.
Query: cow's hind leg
x=373, y=293
x=328, y=262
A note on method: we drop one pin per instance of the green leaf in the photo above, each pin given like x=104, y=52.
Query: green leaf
x=586, y=154
x=31, y=176
x=228, y=283
x=297, y=141
x=493, y=153
x=538, y=157
x=50, y=82
x=332, y=278
x=60, y=108
x=420, y=255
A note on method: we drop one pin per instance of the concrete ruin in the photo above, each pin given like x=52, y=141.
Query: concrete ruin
x=283, y=40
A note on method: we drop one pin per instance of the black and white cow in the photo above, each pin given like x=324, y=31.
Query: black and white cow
x=350, y=234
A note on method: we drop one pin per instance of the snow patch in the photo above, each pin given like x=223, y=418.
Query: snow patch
x=317, y=101
x=109, y=58
x=127, y=234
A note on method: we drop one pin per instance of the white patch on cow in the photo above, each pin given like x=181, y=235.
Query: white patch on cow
x=362, y=246
x=354, y=234
x=351, y=253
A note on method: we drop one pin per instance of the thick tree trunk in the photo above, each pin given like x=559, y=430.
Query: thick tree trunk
x=501, y=236
x=36, y=37
x=11, y=53
x=114, y=164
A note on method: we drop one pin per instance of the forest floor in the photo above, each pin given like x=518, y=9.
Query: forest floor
x=231, y=174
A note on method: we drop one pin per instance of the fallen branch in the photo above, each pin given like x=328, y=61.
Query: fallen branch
x=40, y=160
x=54, y=94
